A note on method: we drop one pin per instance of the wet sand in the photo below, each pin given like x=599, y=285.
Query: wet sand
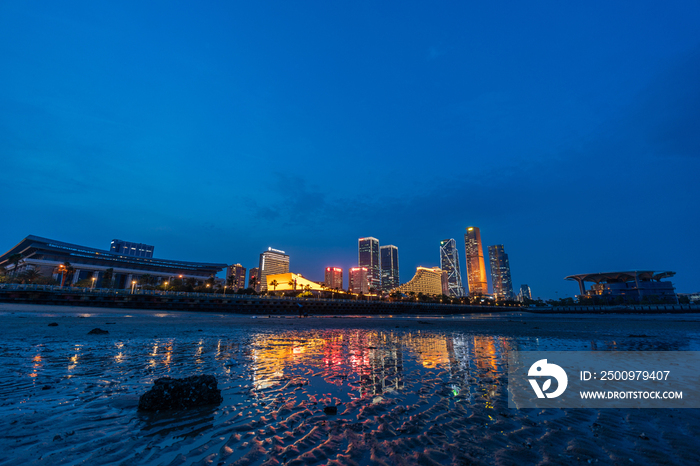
x=409, y=390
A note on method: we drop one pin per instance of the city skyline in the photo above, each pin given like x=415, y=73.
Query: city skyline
x=547, y=127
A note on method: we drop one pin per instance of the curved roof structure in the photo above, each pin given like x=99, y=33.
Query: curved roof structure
x=620, y=277
x=426, y=280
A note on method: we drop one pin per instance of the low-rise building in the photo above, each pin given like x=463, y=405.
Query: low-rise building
x=427, y=280
x=48, y=256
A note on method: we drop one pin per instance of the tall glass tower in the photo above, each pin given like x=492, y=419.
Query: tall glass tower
x=500, y=273
x=368, y=257
x=476, y=270
x=272, y=261
x=390, y=267
x=449, y=263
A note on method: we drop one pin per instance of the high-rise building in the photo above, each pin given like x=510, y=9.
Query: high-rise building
x=334, y=278
x=476, y=270
x=253, y=278
x=500, y=273
x=358, y=278
x=272, y=261
x=131, y=249
x=449, y=263
x=389, y=256
x=525, y=293
x=235, y=276
x=368, y=257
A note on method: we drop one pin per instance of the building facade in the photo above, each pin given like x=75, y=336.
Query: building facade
x=334, y=278
x=132, y=249
x=427, y=280
x=358, y=278
x=525, y=293
x=109, y=269
x=626, y=287
x=235, y=276
x=253, y=278
x=389, y=260
x=272, y=261
x=368, y=257
x=476, y=270
x=449, y=263
x=500, y=273
x=291, y=282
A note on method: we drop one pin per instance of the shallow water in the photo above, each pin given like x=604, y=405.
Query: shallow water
x=408, y=391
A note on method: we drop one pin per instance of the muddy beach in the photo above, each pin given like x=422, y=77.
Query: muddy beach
x=408, y=390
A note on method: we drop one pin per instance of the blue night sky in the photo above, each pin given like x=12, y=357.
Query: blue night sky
x=212, y=130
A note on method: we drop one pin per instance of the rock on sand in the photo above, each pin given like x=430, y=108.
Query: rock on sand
x=168, y=393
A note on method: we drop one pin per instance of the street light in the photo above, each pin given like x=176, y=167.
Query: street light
x=93, y=283
x=224, y=290
x=133, y=285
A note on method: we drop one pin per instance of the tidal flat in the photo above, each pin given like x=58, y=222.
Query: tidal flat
x=426, y=390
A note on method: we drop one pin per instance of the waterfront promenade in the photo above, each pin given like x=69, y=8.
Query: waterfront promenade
x=249, y=304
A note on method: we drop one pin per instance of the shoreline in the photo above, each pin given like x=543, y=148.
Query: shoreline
x=261, y=305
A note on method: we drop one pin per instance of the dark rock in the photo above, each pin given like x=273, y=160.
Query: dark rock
x=46, y=387
x=53, y=324
x=330, y=410
x=57, y=437
x=98, y=331
x=168, y=393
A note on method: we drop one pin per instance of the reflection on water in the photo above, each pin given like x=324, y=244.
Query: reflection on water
x=402, y=396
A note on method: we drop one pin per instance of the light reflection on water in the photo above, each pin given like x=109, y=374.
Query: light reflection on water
x=399, y=393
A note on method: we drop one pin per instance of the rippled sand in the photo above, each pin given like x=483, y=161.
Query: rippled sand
x=429, y=391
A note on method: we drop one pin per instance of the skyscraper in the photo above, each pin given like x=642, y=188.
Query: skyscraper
x=334, y=278
x=476, y=271
x=500, y=273
x=525, y=293
x=368, y=257
x=358, y=280
x=390, y=266
x=235, y=276
x=272, y=261
x=131, y=249
x=449, y=262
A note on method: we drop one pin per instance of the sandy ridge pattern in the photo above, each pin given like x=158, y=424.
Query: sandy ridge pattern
x=408, y=390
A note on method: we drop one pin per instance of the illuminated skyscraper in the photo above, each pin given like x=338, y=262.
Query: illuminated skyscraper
x=390, y=267
x=235, y=276
x=272, y=261
x=358, y=280
x=449, y=263
x=334, y=278
x=476, y=271
x=500, y=273
x=368, y=257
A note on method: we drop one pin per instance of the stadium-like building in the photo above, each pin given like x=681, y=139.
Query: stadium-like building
x=627, y=287
x=47, y=256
